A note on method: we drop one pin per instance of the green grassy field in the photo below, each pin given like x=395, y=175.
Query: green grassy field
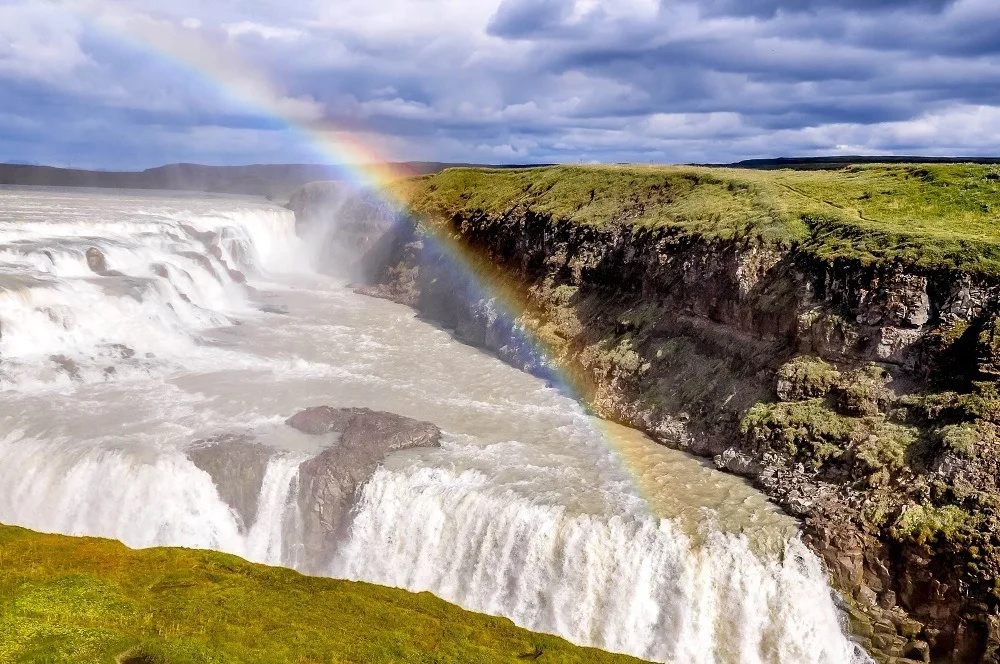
x=935, y=216
x=66, y=599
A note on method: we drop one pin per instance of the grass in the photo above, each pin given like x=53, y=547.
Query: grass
x=933, y=216
x=65, y=599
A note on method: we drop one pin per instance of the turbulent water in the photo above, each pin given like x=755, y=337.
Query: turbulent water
x=526, y=511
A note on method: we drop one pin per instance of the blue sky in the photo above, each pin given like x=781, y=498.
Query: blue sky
x=102, y=83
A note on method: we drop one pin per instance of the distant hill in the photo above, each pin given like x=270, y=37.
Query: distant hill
x=839, y=161
x=275, y=181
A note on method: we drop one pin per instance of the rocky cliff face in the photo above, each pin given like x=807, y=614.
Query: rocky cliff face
x=858, y=397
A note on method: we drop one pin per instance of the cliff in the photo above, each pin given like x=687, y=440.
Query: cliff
x=833, y=336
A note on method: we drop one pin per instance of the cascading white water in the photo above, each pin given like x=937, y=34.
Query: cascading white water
x=628, y=584
x=107, y=381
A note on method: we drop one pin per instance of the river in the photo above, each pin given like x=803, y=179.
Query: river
x=531, y=509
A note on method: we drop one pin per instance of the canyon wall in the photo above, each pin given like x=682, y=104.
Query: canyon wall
x=858, y=397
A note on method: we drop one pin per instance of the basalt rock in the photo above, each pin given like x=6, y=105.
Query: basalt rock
x=237, y=465
x=328, y=483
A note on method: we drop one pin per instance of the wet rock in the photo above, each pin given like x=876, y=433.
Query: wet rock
x=736, y=462
x=319, y=420
x=386, y=292
x=328, y=482
x=237, y=465
x=98, y=264
x=207, y=238
x=237, y=276
x=201, y=259
x=70, y=367
x=122, y=351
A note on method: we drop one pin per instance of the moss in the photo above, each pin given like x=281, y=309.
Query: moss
x=880, y=448
x=967, y=438
x=864, y=392
x=65, y=599
x=806, y=377
x=982, y=403
x=812, y=433
x=805, y=430
x=922, y=524
x=930, y=407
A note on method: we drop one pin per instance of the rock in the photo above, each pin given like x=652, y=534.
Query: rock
x=201, y=259
x=96, y=261
x=887, y=599
x=918, y=650
x=329, y=481
x=122, y=351
x=98, y=264
x=736, y=462
x=237, y=276
x=207, y=238
x=895, y=299
x=67, y=365
x=320, y=420
x=237, y=465
x=866, y=595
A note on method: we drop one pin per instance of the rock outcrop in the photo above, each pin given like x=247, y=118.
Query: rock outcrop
x=98, y=263
x=237, y=465
x=328, y=483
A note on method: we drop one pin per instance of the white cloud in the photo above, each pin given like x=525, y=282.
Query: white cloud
x=243, y=28
x=39, y=42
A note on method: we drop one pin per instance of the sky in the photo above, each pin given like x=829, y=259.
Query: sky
x=130, y=84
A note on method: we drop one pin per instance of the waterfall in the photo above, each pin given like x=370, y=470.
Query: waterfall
x=633, y=585
x=205, y=319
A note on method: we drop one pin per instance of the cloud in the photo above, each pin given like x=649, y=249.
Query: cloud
x=140, y=82
x=260, y=30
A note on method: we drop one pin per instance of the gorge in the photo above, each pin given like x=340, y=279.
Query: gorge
x=159, y=351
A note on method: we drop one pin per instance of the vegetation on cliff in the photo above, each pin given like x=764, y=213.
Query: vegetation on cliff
x=65, y=599
x=930, y=215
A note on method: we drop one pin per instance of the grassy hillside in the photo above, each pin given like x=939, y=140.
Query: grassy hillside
x=932, y=215
x=66, y=599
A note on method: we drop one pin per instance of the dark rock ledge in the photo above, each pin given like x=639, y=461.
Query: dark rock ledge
x=328, y=484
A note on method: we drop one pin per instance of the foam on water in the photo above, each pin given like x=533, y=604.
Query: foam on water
x=523, y=511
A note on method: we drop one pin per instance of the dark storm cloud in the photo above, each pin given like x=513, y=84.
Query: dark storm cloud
x=507, y=80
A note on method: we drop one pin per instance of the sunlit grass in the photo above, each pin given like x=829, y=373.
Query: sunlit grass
x=66, y=599
x=936, y=216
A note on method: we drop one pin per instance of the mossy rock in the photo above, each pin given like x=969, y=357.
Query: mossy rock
x=872, y=448
x=922, y=524
x=864, y=392
x=966, y=439
x=806, y=377
x=982, y=403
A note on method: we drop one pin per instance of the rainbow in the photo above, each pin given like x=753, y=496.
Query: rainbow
x=364, y=167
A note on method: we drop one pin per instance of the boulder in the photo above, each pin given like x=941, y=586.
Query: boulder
x=237, y=465
x=98, y=263
x=319, y=420
x=328, y=482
